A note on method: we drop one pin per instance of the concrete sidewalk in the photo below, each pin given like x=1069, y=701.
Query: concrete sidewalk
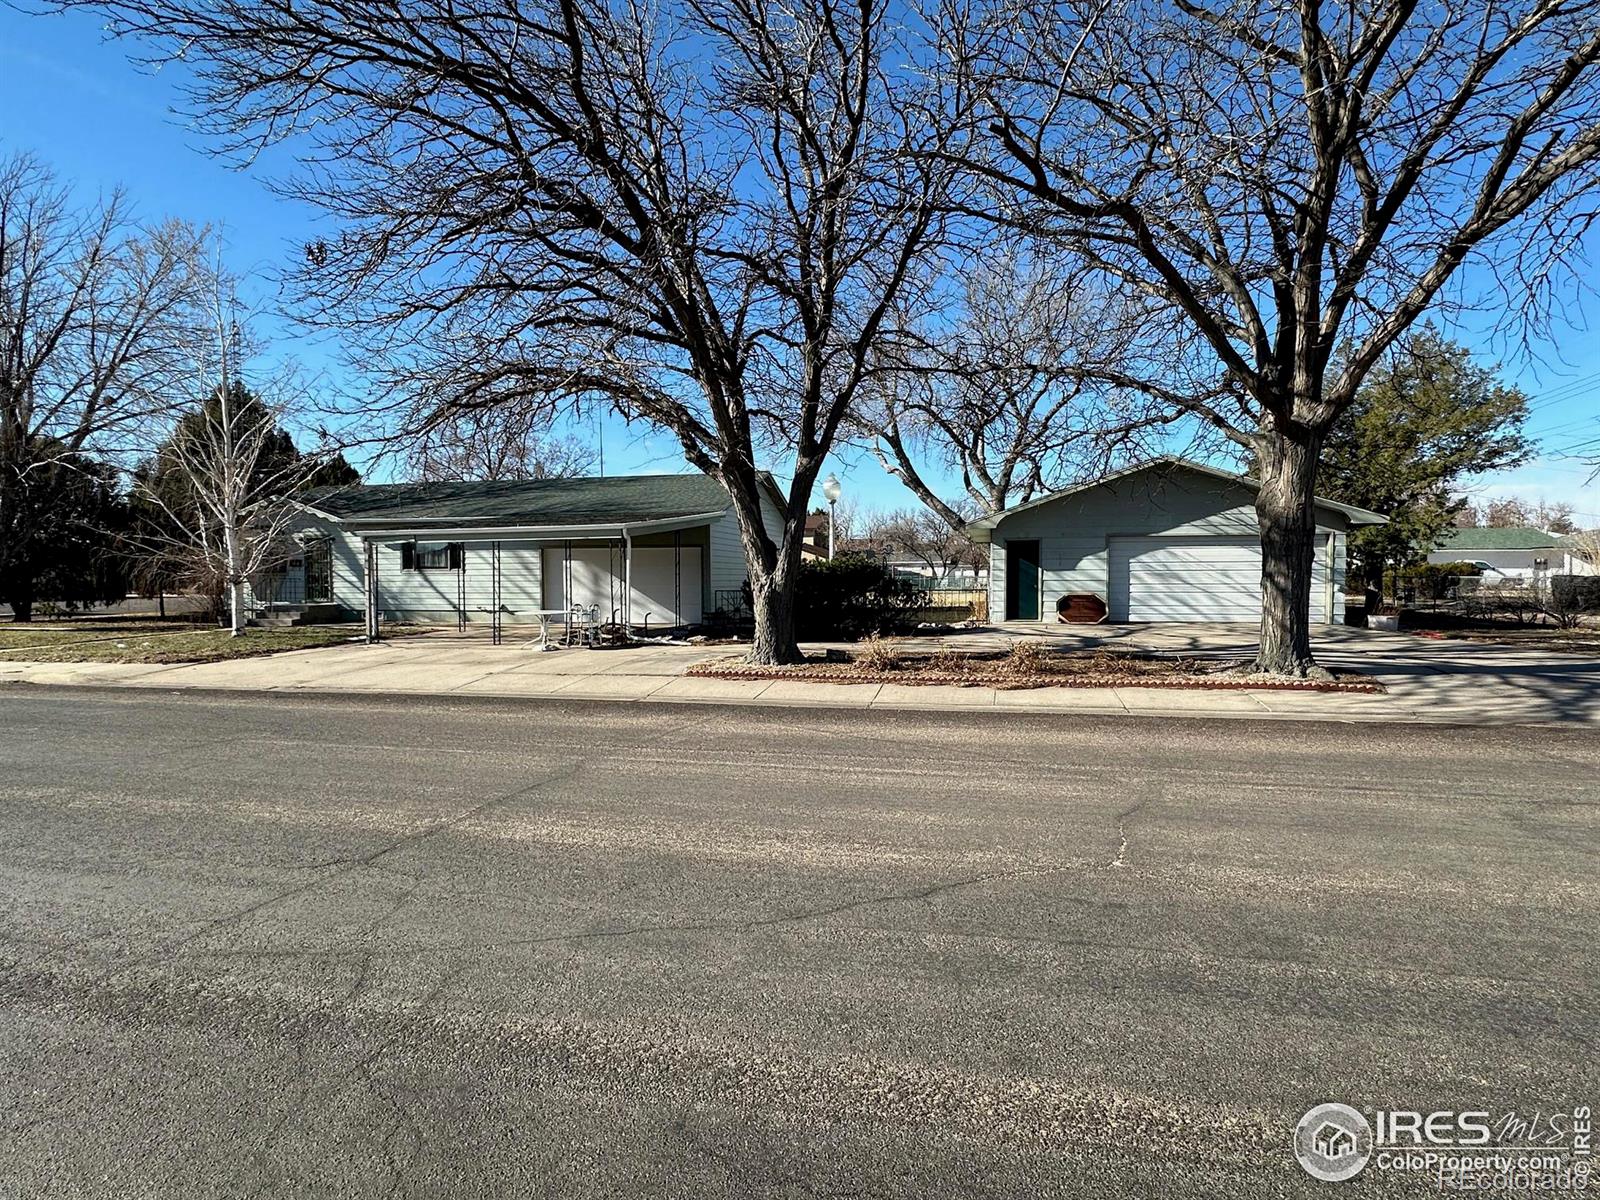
x=1427, y=681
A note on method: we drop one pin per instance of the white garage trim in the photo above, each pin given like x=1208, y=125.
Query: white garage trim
x=1175, y=578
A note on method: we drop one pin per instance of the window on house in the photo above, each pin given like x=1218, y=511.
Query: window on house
x=430, y=556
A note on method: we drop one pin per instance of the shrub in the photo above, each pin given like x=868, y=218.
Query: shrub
x=1026, y=658
x=1435, y=581
x=877, y=654
x=1572, y=596
x=948, y=661
x=852, y=596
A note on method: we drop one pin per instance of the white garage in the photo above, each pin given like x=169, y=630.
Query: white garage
x=1196, y=579
x=1166, y=540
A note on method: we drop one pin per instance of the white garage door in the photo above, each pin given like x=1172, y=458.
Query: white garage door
x=664, y=592
x=596, y=578
x=1194, y=579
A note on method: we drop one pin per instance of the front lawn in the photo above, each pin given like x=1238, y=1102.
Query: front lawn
x=156, y=641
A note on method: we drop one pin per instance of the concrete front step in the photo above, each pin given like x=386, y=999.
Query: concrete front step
x=311, y=614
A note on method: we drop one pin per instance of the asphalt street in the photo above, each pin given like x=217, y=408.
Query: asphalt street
x=278, y=945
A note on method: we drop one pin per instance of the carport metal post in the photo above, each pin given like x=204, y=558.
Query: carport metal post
x=371, y=552
x=1329, y=584
x=627, y=578
x=494, y=589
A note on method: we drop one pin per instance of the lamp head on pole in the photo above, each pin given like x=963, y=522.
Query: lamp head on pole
x=830, y=488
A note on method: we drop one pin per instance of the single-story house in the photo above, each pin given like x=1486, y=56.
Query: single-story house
x=646, y=550
x=1166, y=540
x=1520, y=552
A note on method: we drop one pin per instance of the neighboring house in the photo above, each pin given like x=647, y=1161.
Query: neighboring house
x=662, y=550
x=1578, y=554
x=1167, y=540
x=814, y=538
x=949, y=575
x=1515, y=551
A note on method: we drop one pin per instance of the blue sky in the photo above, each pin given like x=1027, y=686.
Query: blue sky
x=101, y=123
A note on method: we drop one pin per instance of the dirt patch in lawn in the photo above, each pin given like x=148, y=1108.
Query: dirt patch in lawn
x=1028, y=665
x=1582, y=640
x=158, y=642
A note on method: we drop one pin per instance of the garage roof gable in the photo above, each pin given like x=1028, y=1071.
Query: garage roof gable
x=980, y=529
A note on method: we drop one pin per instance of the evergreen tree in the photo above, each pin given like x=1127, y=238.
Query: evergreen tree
x=63, y=534
x=1425, y=418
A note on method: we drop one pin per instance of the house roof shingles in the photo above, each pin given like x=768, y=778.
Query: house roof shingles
x=1514, y=538
x=607, y=501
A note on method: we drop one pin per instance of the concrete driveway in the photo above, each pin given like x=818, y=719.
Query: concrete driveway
x=1427, y=680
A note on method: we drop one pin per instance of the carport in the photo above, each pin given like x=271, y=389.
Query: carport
x=638, y=551
x=594, y=567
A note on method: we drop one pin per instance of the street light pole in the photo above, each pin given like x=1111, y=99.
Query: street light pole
x=831, y=489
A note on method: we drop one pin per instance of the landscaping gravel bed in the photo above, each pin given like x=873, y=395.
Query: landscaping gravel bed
x=1030, y=667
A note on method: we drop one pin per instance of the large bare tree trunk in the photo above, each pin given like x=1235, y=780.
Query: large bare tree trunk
x=774, y=571
x=1286, y=512
x=773, y=640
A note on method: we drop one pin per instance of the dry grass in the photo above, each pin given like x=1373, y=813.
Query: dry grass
x=141, y=643
x=30, y=634
x=1026, y=660
x=877, y=654
x=947, y=660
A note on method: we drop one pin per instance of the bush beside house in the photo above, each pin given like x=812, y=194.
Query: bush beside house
x=1572, y=597
x=853, y=596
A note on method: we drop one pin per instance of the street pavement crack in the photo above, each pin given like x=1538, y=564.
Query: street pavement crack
x=814, y=914
x=345, y=867
x=1123, y=819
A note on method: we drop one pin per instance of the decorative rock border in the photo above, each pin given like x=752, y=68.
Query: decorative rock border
x=732, y=669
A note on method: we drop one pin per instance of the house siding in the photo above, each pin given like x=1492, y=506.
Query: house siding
x=726, y=568
x=433, y=596
x=1074, y=533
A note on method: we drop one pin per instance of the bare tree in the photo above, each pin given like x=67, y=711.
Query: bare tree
x=94, y=314
x=929, y=538
x=1507, y=512
x=1584, y=545
x=1007, y=393
x=1292, y=184
x=701, y=212
x=498, y=443
x=221, y=486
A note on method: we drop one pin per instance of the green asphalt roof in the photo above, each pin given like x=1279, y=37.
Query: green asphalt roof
x=1513, y=538
x=612, y=500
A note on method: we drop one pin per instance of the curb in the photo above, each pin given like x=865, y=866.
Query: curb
x=773, y=675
